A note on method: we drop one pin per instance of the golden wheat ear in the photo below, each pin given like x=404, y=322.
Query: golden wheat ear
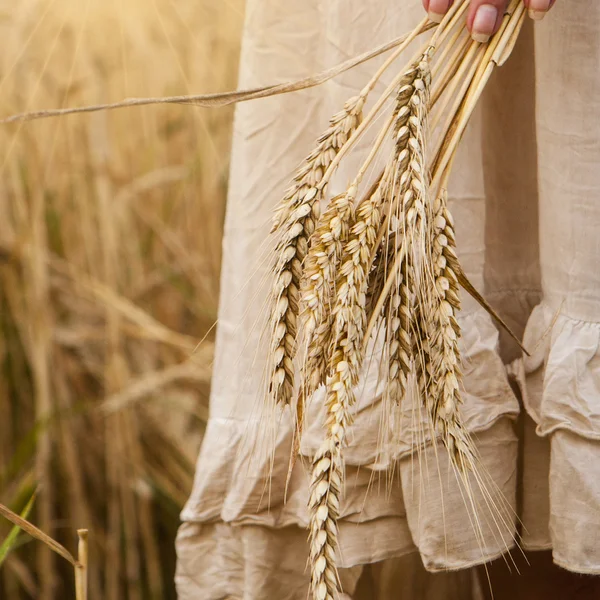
x=344, y=360
x=295, y=221
x=441, y=374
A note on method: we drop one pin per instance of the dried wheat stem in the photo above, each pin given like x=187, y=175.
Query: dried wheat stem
x=418, y=30
x=503, y=53
x=444, y=84
x=450, y=20
x=372, y=114
x=441, y=58
x=349, y=319
x=490, y=54
x=81, y=568
x=464, y=76
x=496, y=52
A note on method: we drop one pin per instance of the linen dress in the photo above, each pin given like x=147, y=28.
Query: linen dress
x=525, y=198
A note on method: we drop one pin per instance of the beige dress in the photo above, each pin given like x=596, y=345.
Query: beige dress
x=526, y=200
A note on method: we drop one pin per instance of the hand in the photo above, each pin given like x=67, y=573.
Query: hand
x=484, y=16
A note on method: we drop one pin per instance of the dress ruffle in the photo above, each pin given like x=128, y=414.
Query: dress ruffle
x=219, y=561
x=560, y=384
x=401, y=495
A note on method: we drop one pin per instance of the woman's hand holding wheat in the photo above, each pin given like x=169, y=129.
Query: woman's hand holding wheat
x=484, y=16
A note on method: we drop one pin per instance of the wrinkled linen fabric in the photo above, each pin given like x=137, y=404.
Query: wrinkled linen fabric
x=524, y=195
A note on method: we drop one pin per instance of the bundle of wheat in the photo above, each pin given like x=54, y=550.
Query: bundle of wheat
x=380, y=260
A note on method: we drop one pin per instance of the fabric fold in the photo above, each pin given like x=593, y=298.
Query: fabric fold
x=401, y=494
x=560, y=384
x=259, y=563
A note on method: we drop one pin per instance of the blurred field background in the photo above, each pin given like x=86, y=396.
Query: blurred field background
x=110, y=240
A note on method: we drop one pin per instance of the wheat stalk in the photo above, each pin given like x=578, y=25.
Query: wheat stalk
x=348, y=318
x=298, y=212
x=440, y=383
x=81, y=568
x=349, y=321
x=319, y=289
x=320, y=270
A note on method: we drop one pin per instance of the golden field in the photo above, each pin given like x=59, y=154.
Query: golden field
x=110, y=240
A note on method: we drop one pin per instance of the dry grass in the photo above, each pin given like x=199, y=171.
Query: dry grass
x=110, y=237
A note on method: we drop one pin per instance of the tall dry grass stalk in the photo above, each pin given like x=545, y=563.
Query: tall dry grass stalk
x=81, y=569
x=110, y=240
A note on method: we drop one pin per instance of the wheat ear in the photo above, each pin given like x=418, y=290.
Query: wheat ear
x=310, y=173
x=295, y=219
x=411, y=191
x=440, y=382
x=324, y=505
x=349, y=321
x=320, y=273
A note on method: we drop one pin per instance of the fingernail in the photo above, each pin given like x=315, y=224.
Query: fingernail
x=536, y=15
x=538, y=9
x=437, y=10
x=484, y=23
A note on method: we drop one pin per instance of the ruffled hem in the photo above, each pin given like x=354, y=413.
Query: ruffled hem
x=419, y=505
x=560, y=385
x=564, y=369
x=400, y=496
x=240, y=478
x=218, y=560
x=235, y=484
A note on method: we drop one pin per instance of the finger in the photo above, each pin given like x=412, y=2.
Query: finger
x=538, y=8
x=484, y=18
x=437, y=8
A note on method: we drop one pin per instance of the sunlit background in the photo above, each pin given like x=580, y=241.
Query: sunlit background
x=110, y=240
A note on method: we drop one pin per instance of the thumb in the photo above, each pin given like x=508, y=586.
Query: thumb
x=437, y=8
x=484, y=18
x=538, y=8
